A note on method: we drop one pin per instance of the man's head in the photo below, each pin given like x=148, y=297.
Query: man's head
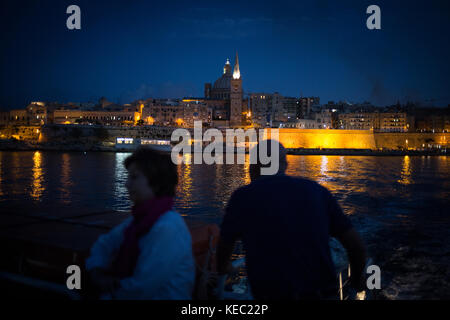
x=150, y=174
x=269, y=154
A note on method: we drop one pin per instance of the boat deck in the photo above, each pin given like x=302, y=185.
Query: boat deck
x=43, y=245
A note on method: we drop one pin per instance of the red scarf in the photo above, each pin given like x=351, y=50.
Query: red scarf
x=144, y=217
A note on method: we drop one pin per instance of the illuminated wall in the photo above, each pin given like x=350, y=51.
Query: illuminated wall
x=411, y=140
x=290, y=138
x=357, y=139
x=323, y=138
x=28, y=133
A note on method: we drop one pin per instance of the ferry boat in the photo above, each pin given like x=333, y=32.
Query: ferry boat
x=131, y=144
x=36, y=261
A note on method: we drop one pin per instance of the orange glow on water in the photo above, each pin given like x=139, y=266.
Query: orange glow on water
x=185, y=176
x=405, y=175
x=37, y=187
x=66, y=182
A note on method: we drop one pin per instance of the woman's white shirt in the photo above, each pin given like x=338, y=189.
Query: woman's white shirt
x=165, y=268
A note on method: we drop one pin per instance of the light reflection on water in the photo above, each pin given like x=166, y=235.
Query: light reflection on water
x=96, y=181
x=66, y=182
x=405, y=177
x=37, y=187
x=120, y=175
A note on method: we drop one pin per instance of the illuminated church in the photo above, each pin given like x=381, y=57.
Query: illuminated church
x=226, y=96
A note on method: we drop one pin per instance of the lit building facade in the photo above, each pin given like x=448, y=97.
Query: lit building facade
x=359, y=121
x=184, y=113
x=378, y=121
x=322, y=119
x=304, y=106
x=115, y=118
x=269, y=109
x=4, y=117
x=393, y=122
x=19, y=116
x=261, y=109
x=37, y=112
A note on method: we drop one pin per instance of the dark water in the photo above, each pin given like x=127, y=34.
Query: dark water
x=399, y=204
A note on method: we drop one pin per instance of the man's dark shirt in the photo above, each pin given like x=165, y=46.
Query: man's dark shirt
x=285, y=224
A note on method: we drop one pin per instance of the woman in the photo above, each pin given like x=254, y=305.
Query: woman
x=149, y=255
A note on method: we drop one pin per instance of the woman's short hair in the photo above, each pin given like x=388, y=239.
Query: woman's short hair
x=158, y=167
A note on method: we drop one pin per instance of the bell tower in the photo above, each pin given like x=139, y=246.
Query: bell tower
x=236, y=95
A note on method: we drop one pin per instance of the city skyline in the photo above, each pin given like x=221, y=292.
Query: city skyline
x=136, y=51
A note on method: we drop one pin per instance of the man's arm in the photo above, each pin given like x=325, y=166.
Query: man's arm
x=224, y=252
x=356, y=253
x=103, y=251
x=230, y=231
x=341, y=228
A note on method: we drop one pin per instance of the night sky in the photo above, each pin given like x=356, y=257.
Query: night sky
x=129, y=50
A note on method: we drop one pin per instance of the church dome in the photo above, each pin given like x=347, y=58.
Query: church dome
x=223, y=82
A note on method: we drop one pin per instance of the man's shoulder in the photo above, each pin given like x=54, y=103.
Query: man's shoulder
x=277, y=184
x=283, y=180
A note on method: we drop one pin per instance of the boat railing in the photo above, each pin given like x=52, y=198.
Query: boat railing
x=345, y=291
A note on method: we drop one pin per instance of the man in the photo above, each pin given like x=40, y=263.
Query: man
x=285, y=224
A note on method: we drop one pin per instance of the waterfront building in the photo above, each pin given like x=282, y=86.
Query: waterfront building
x=431, y=119
x=4, y=117
x=318, y=120
x=19, y=117
x=283, y=109
x=181, y=113
x=393, y=122
x=359, y=121
x=302, y=124
x=34, y=114
x=196, y=111
x=304, y=106
x=218, y=109
x=37, y=112
x=378, y=121
x=324, y=119
x=261, y=109
x=162, y=113
x=273, y=110
x=115, y=118
x=288, y=110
